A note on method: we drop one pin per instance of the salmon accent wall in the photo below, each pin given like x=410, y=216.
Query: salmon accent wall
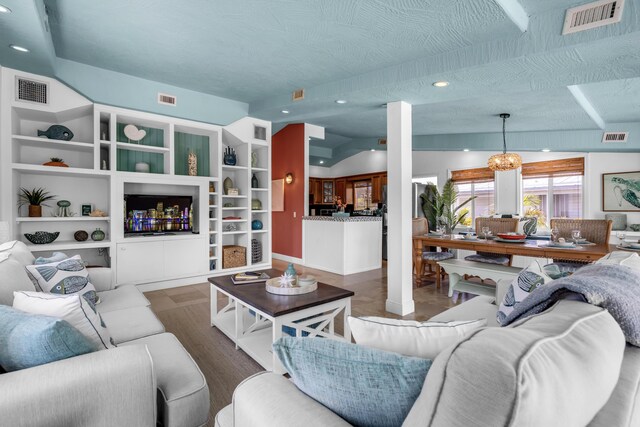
x=287, y=155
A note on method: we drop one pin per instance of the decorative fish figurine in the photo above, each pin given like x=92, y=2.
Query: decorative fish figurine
x=70, y=285
x=57, y=132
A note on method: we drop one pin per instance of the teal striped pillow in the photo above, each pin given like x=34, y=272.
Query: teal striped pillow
x=28, y=340
x=365, y=386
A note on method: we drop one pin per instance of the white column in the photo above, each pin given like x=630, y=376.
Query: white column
x=399, y=173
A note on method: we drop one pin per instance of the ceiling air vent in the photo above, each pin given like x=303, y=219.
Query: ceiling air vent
x=297, y=95
x=382, y=141
x=608, y=137
x=165, y=99
x=592, y=15
x=32, y=91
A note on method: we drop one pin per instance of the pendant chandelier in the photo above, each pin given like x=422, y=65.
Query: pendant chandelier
x=505, y=161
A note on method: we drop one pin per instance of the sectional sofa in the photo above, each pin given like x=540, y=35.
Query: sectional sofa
x=568, y=366
x=148, y=379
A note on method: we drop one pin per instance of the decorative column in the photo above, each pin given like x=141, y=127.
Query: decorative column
x=399, y=173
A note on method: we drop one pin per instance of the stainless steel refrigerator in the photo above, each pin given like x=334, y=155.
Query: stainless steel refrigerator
x=417, y=190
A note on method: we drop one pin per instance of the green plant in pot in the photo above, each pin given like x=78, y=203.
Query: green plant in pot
x=35, y=199
x=439, y=209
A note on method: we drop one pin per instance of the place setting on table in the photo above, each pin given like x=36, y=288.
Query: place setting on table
x=575, y=242
x=626, y=246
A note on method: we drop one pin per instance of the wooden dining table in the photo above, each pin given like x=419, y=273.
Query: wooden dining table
x=530, y=248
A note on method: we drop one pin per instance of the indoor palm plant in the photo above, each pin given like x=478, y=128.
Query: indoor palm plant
x=439, y=207
x=35, y=199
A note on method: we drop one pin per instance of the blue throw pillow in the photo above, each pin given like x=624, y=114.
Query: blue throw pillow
x=28, y=340
x=365, y=386
x=55, y=257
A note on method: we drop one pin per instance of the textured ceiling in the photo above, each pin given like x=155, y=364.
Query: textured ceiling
x=252, y=49
x=368, y=52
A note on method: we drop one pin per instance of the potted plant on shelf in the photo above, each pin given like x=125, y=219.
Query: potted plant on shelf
x=439, y=206
x=56, y=161
x=34, y=199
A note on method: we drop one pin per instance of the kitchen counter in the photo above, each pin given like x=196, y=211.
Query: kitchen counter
x=342, y=218
x=342, y=245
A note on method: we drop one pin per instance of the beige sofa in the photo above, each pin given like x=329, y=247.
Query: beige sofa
x=148, y=380
x=568, y=366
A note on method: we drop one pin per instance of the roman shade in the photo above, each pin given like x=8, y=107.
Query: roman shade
x=472, y=175
x=553, y=168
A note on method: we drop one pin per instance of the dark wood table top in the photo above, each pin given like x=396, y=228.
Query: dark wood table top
x=531, y=248
x=255, y=295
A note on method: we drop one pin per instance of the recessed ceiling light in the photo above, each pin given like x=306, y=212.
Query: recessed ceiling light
x=466, y=150
x=285, y=111
x=373, y=149
x=341, y=101
x=18, y=48
x=441, y=84
x=321, y=161
x=4, y=9
x=545, y=150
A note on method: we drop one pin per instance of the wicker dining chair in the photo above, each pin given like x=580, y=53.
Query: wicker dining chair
x=420, y=226
x=596, y=231
x=496, y=225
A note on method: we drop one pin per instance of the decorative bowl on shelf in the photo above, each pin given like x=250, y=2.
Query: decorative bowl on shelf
x=42, y=237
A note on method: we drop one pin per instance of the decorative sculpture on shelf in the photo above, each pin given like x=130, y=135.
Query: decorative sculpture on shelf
x=59, y=132
x=229, y=156
x=134, y=134
x=192, y=164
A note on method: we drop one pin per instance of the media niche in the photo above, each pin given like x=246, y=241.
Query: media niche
x=156, y=214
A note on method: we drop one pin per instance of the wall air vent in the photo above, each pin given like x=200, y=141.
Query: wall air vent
x=592, y=15
x=609, y=137
x=32, y=91
x=382, y=141
x=260, y=132
x=165, y=99
x=298, y=95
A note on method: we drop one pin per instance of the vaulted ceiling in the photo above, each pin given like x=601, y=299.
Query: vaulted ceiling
x=497, y=55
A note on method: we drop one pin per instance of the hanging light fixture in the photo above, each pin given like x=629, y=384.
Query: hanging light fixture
x=505, y=161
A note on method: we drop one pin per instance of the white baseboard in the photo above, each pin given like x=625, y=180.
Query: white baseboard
x=288, y=258
x=400, y=308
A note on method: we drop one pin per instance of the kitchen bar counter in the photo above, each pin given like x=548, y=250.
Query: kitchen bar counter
x=342, y=218
x=342, y=245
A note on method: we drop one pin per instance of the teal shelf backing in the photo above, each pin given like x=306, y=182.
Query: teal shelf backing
x=127, y=159
x=185, y=143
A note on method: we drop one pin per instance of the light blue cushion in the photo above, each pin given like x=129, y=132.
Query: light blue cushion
x=28, y=340
x=488, y=258
x=365, y=386
x=55, y=257
x=557, y=270
x=436, y=256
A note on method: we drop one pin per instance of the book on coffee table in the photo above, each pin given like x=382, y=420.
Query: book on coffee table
x=249, y=277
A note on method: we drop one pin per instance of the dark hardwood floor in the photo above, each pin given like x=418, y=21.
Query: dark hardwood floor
x=185, y=312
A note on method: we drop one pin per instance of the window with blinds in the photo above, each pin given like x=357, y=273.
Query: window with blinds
x=553, y=189
x=477, y=182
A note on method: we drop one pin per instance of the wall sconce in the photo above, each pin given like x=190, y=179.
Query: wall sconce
x=288, y=178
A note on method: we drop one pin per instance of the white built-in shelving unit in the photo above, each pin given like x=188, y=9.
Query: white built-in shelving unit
x=102, y=170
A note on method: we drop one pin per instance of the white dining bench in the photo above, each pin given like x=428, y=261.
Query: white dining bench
x=458, y=268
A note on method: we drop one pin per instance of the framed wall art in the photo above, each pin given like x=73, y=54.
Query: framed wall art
x=621, y=192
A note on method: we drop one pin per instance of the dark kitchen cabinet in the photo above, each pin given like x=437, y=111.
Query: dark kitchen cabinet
x=341, y=189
